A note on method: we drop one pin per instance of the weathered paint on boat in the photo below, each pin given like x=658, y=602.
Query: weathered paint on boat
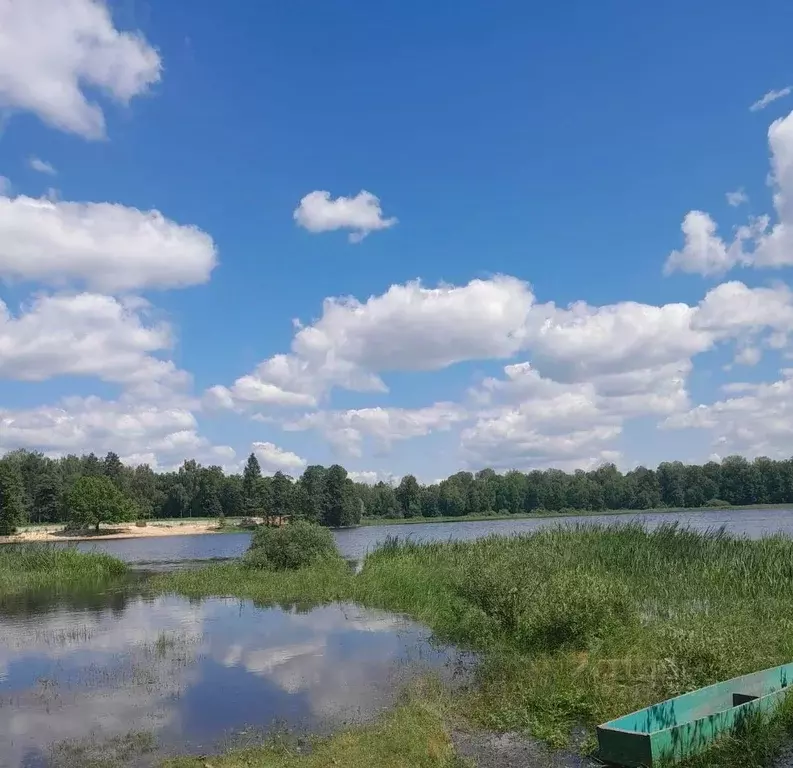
x=680, y=727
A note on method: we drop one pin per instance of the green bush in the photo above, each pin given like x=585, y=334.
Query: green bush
x=717, y=503
x=140, y=523
x=290, y=547
x=256, y=558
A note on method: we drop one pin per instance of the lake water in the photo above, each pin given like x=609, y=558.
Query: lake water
x=354, y=543
x=79, y=674
x=119, y=673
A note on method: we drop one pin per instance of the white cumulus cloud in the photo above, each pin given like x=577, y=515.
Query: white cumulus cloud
x=346, y=430
x=107, y=246
x=757, y=421
x=362, y=214
x=758, y=243
x=85, y=335
x=53, y=52
x=144, y=432
x=273, y=459
x=409, y=327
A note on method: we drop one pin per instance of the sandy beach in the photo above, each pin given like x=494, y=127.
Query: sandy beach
x=117, y=531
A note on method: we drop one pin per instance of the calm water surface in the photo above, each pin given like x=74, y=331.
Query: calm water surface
x=195, y=676
x=354, y=543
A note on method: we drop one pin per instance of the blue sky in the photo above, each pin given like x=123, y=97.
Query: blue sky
x=532, y=168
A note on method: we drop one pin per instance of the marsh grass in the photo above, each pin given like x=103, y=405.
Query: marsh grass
x=326, y=582
x=32, y=567
x=99, y=752
x=413, y=735
x=574, y=625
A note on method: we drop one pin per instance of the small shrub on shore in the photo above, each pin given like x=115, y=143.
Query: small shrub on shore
x=290, y=547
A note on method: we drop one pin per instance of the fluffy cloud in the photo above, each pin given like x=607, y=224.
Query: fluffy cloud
x=527, y=420
x=162, y=436
x=581, y=341
x=318, y=212
x=757, y=421
x=371, y=477
x=592, y=368
x=732, y=308
x=37, y=164
x=704, y=252
x=282, y=380
x=736, y=198
x=409, y=327
x=86, y=335
x=588, y=369
x=346, y=430
x=759, y=243
x=770, y=98
x=51, y=51
x=273, y=459
x=512, y=440
x=107, y=246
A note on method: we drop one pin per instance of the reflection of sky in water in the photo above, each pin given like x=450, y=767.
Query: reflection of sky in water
x=195, y=672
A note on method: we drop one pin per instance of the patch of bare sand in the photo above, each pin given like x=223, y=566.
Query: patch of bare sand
x=120, y=531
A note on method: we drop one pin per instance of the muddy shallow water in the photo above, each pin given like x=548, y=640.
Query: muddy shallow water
x=193, y=676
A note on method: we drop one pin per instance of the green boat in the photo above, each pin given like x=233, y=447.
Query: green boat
x=687, y=724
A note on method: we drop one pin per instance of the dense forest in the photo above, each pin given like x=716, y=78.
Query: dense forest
x=87, y=490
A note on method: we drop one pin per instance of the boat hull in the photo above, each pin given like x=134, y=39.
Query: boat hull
x=688, y=724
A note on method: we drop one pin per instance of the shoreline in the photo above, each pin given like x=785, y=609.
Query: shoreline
x=199, y=526
x=153, y=528
x=373, y=521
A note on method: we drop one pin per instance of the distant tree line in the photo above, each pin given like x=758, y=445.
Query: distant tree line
x=87, y=490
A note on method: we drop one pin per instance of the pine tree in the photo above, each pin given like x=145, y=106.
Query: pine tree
x=11, y=498
x=113, y=469
x=250, y=484
x=282, y=495
x=207, y=500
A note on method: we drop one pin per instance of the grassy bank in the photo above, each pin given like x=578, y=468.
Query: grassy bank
x=575, y=626
x=566, y=513
x=31, y=567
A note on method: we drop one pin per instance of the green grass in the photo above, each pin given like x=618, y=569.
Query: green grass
x=324, y=583
x=575, y=626
x=32, y=567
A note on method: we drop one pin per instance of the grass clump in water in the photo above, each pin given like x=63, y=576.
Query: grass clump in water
x=96, y=752
x=411, y=736
x=325, y=582
x=29, y=567
x=290, y=547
